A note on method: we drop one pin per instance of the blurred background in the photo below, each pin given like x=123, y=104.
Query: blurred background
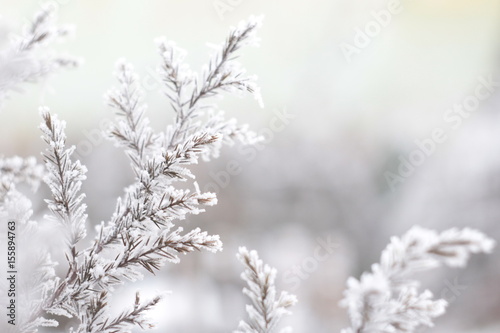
x=358, y=96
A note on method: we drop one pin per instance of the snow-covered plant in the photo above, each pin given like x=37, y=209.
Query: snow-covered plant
x=141, y=235
x=145, y=232
x=388, y=300
x=267, y=308
x=15, y=170
x=25, y=57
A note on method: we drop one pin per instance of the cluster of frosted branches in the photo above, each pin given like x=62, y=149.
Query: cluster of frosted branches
x=267, y=308
x=37, y=268
x=387, y=299
x=26, y=57
x=14, y=205
x=141, y=236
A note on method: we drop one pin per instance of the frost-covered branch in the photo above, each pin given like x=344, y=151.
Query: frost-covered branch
x=26, y=58
x=132, y=130
x=186, y=90
x=64, y=179
x=36, y=293
x=15, y=170
x=161, y=158
x=99, y=322
x=141, y=236
x=223, y=72
x=267, y=308
x=151, y=252
x=38, y=276
x=387, y=299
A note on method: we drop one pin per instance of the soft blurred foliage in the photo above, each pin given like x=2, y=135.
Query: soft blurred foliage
x=321, y=175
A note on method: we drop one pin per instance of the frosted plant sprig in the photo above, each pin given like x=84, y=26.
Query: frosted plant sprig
x=15, y=170
x=141, y=236
x=37, y=287
x=142, y=244
x=138, y=211
x=132, y=131
x=186, y=90
x=38, y=276
x=151, y=252
x=183, y=142
x=267, y=308
x=176, y=75
x=387, y=299
x=223, y=72
x=41, y=30
x=64, y=179
x=177, y=159
x=100, y=322
x=38, y=279
x=27, y=58
x=152, y=201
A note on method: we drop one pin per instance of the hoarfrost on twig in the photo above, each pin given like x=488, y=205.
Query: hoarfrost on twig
x=27, y=58
x=141, y=236
x=267, y=308
x=387, y=299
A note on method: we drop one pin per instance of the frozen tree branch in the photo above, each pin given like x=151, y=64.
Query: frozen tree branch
x=122, y=323
x=141, y=235
x=387, y=299
x=15, y=170
x=132, y=131
x=64, y=179
x=157, y=162
x=267, y=308
x=223, y=73
x=26, y=58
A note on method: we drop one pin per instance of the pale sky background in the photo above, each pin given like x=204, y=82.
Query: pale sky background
x=426, y=59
